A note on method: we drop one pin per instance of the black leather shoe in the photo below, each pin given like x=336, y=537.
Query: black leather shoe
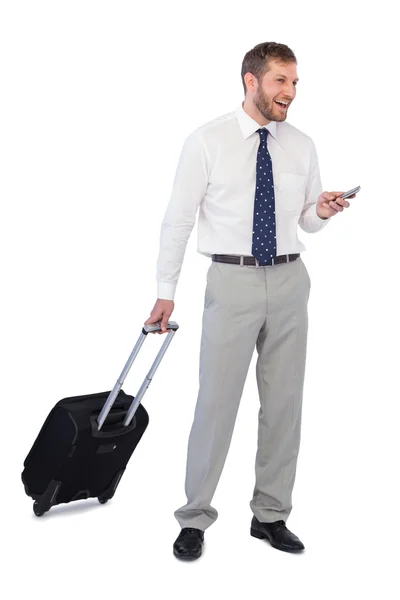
x=189, y=543
x=277, y=534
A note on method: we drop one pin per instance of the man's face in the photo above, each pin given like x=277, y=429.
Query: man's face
x=278, y=84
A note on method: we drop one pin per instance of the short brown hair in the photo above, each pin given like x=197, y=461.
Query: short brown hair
x=256, y=60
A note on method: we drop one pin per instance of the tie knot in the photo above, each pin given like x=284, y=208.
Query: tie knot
x=263, y=133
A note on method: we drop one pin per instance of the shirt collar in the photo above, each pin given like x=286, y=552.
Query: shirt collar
x=248, y=125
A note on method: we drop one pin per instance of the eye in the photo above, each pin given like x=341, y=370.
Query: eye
x=280, y=79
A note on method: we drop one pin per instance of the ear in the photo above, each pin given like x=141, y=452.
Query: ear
x=251, y=82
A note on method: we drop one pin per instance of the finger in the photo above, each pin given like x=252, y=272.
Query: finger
x=164, y=324
x=342, y=202
x=330, y=205
x=335, y=206
x=339, y=194
x=154, y=318
x=151, y=320
x=332, y=195
x=328, y=196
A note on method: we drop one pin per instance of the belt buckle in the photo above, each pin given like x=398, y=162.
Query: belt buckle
x=250, y=266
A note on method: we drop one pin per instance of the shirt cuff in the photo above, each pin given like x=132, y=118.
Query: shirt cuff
x=311, y=221
x=166, y=291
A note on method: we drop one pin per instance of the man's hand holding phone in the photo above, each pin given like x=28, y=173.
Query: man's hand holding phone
x=330, y=203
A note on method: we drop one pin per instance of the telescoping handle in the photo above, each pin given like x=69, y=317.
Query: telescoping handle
x=172, y=327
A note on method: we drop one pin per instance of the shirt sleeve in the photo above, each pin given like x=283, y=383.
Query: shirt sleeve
x=189, y=187
x=309, y=221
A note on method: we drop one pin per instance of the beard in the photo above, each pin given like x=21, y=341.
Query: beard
x=267, y=107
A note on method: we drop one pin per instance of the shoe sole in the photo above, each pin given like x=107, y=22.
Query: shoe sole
x=188, y=558
x=262, y=536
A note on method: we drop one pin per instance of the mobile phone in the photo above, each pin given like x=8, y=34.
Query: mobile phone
x=350, y=192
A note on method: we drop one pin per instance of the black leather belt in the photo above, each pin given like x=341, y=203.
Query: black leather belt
x=250, y=261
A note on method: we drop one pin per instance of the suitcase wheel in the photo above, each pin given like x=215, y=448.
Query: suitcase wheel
x=37, y=510
x=48, y=499
x=102, y=500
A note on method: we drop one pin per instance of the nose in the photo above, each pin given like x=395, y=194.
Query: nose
x=290, y=92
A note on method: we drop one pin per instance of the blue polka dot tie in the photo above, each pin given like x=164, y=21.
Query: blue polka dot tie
x=264, y=228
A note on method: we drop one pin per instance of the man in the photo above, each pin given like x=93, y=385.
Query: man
x=254, y=178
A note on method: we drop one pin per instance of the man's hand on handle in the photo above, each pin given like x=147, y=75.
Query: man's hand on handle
x=162, y=311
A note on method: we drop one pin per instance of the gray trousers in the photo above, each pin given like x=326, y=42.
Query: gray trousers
x=247, y=308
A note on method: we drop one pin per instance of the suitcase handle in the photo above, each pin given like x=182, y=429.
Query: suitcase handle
x=157, y=327
x=172, y=328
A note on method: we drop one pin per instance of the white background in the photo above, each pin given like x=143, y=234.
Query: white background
x=97, y=98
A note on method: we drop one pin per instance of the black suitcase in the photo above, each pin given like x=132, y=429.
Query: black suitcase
x=86, y=441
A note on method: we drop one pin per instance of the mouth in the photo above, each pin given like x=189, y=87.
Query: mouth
x=283, y=107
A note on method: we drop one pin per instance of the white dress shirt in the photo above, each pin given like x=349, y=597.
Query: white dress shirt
x=216, y=174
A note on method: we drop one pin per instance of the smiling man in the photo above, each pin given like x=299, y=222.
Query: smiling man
x=254, y=179
x=272, y=98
